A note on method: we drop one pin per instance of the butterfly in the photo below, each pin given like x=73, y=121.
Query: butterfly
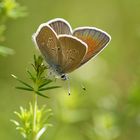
x=65, y=49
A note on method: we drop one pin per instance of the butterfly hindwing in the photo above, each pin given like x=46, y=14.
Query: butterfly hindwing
x=73, y=51
x=60, y=26
x=95, y=39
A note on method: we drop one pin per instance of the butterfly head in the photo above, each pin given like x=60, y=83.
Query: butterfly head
x=56, y=70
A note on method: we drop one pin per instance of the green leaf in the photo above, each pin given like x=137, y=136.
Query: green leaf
x=40, y=133
x=32, y=77
x=22, y=110
x=20, y=128
x=48, y=88
x=21, y=81
x=6, y=51
x=35, y=58
x=40, y=94
x=45, y=83
x=34, y=67
x=18, y=114
x=25, y=88
x=15, y=122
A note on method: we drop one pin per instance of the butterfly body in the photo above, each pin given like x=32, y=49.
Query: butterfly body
x=66, y=50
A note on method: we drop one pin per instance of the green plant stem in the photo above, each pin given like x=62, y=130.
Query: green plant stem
x=34, y=116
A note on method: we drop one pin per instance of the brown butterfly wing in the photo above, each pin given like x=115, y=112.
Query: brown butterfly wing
x=60, y=26
x=94, y=38
x=47, y=42
x=73, y=52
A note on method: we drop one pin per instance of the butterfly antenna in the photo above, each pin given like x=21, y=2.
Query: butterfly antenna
x=68, y=85
x=65, y=77
x=83, y=87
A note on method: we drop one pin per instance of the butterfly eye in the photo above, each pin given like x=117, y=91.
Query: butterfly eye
x=63, y=77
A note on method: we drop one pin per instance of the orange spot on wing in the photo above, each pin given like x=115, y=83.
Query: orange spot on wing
x=92, y=44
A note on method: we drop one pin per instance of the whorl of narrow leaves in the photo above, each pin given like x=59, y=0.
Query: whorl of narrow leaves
x=24, y=124
x=39, y=80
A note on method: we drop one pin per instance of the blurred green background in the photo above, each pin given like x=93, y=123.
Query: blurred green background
x=109, y=109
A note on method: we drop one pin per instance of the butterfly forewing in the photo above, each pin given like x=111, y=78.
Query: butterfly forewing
x=60, y=26
x=73, y=51
x=48, y=44
x=94, y=38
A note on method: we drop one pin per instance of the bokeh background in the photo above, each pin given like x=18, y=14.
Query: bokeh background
x=109, y=109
